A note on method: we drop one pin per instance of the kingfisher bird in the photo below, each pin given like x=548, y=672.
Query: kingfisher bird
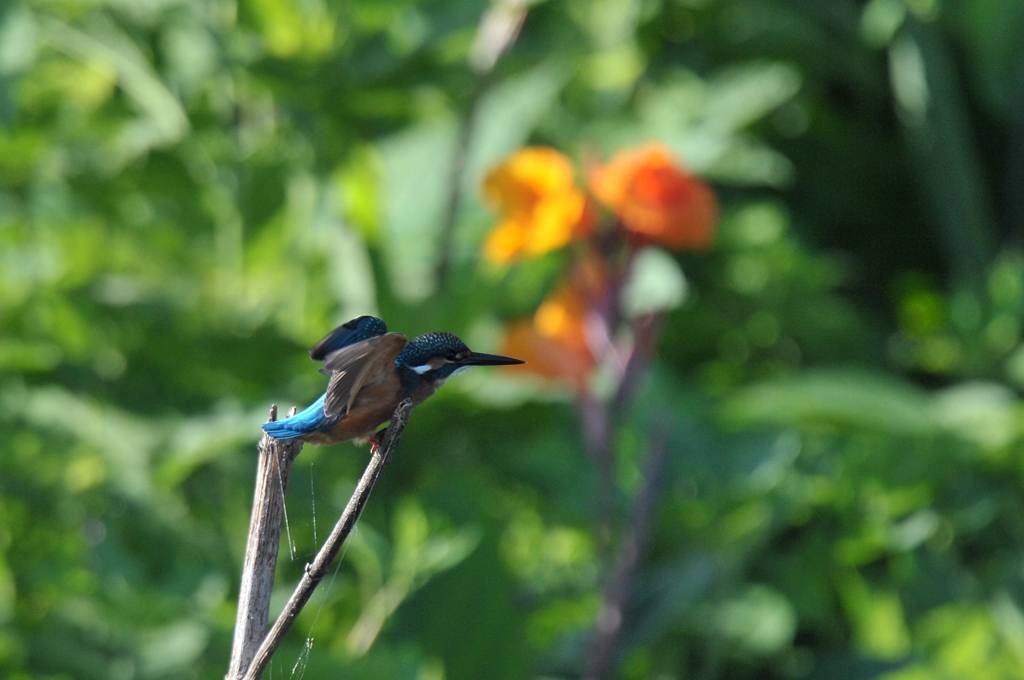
x=371, y=371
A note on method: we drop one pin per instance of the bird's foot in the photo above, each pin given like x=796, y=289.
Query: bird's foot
x=376, y=439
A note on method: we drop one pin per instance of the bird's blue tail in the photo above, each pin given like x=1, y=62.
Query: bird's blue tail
x=307, y=421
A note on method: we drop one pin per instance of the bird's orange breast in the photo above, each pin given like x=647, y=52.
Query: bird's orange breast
x=373, y=406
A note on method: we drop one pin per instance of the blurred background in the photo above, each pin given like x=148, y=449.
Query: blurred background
x=815, y=472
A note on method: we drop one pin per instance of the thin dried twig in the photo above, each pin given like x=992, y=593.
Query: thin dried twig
x=322, y=562
x=268, y=508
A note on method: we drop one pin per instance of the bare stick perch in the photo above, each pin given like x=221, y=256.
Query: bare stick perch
x=261, y=548
x=320, y=565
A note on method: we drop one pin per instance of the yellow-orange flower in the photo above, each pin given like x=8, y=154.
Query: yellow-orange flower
x=655, y=198
x=540, y=206
x=554, y=342
x=562, y=317
x=546, y=356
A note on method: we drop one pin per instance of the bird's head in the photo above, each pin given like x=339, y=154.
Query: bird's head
x=435, y=357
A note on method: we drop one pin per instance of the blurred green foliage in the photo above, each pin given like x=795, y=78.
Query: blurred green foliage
x=193, y=192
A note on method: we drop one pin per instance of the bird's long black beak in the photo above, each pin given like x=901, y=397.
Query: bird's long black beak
x=481, y=359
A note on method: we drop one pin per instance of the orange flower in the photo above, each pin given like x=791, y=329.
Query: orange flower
x=546, y=356
x=562, y=317
x=655, y=198
x=541, y=207
x=554, y=343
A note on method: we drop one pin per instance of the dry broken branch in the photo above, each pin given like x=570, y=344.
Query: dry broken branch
x=261, y=548
x=316, y=570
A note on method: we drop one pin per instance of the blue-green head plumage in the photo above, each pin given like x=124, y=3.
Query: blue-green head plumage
x=438, y=355
x=432, y=355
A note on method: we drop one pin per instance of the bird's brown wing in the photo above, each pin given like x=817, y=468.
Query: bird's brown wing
x=353, y=367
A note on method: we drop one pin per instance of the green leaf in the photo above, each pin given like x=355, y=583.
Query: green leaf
x=656, y=284
x=415, y=168
x=759, y=620
x=850, y=401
